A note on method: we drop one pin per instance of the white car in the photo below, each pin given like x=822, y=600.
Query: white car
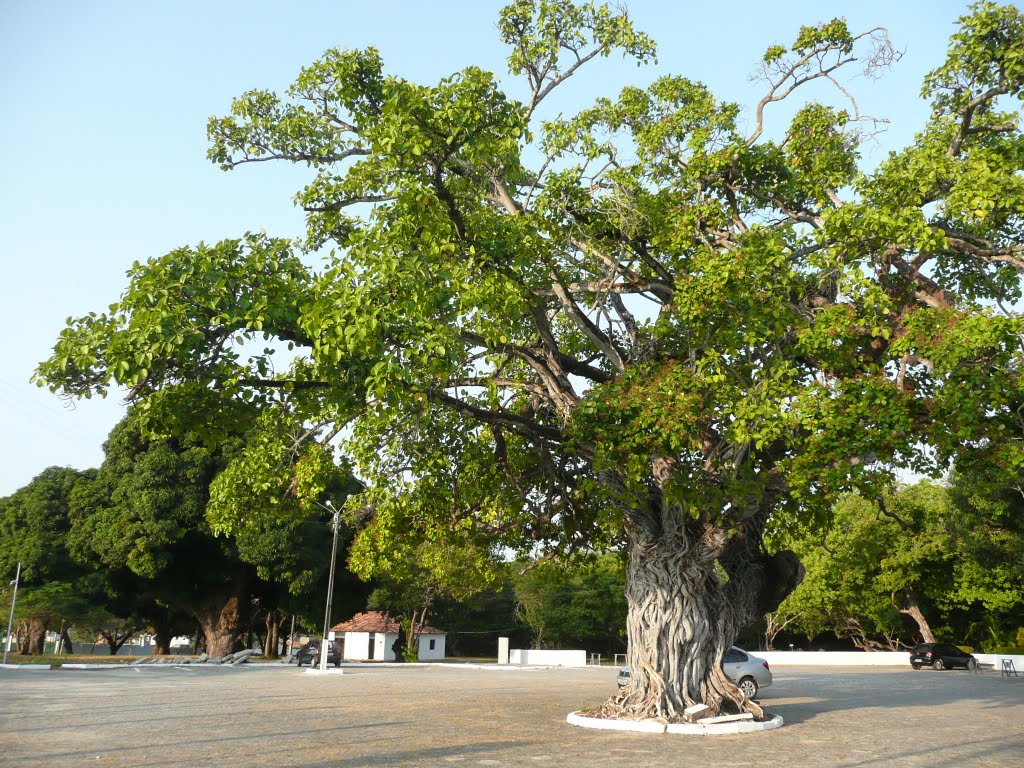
x=749, y=672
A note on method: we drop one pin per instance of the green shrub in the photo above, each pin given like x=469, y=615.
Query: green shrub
x=1010, y=650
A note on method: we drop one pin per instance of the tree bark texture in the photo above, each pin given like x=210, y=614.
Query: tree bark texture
x=33, y=638
x=220, y=618
x=162, y=642
x=690, y=587
x=913, y=610
x=272, y=639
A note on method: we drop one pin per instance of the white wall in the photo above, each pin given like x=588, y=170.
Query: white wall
x=384, y=642
x=996, y=660
x=356, y=644
x=865, y=659
x=425, y=653
x=835, y=658
x=548, y=658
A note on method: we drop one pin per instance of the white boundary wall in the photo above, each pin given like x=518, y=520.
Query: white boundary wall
x=547, y=658
x=866, y=659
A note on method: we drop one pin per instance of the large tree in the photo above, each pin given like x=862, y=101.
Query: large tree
x=876, y=563
x=637, y=323
x=34, y=522
x=923, y=563
x=145, y=520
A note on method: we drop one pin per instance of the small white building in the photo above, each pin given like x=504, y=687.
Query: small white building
x=370, y=636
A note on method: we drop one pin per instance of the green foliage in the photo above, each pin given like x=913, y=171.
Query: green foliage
x=146, y=517
x=33, y=523
x=36, y=525
x=579, y=605
x=411, y=653
x=1016, y=650
x=984, y=54
x=945, y=551
x=540, y=32
x=632, y=321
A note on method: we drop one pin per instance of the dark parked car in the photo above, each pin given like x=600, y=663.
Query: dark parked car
x=939, y=656
x=310, y=654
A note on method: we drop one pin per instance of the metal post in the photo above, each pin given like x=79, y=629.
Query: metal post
x=10, y=619
x=330, y=589
x=291, y=640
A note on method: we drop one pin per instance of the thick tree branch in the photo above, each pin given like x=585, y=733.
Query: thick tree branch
x=511, y=421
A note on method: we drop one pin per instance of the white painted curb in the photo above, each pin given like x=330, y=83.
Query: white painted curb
x=687, y=729
x=718, y=729
x=603, y=724
x=24, y=666
x=318, y=671
x=94, y=666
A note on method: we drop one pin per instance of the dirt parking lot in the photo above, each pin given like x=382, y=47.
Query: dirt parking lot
x=442, y=716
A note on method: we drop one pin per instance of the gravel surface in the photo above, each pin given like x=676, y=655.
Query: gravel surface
x=452, y=715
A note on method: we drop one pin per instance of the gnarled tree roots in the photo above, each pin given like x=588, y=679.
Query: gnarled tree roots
x=720, y=699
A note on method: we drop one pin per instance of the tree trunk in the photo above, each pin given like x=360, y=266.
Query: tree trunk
x=270, y=642
x=162, y=641
x=220, y=618
x=162, y=631
x=34, y=638
x=115, y=640
x=679, y=626
x=66, y=645
x=690, y=587
x=913, y=610
x=415, y=630
x=774, y=624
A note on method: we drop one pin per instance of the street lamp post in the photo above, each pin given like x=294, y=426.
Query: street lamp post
x=330, y=587
x=14, y=599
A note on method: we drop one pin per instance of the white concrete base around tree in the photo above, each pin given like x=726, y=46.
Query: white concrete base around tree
x=684, y=729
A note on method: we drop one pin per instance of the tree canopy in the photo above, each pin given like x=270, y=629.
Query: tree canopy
x=34, y=522
x=144, y=520
x=640, y=323
x=946, y=558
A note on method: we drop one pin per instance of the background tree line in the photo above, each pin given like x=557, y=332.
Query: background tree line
x=110, y=552
x=931, y=562
x=107, y=553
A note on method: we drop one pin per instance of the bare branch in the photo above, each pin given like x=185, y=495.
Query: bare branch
x=348, y=201
x=882, y=55
x=299, y=157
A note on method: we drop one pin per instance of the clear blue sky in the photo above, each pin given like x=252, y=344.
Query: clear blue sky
x=103, y=124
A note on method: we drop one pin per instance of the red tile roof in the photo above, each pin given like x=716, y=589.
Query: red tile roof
x=377, y=621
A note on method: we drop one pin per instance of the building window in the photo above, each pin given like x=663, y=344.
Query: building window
x=432, y=644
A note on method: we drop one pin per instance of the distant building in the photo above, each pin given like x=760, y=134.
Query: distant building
x=369, y=636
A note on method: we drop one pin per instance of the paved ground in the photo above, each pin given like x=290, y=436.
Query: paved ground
x=430, y=716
